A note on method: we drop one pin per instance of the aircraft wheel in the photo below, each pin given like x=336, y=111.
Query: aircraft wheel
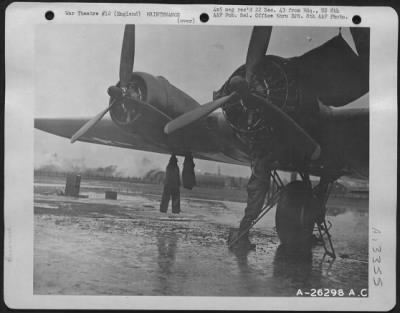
x=294, y=219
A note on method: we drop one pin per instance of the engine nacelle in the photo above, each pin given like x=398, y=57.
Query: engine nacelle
x=158, y=92
x=273, y=80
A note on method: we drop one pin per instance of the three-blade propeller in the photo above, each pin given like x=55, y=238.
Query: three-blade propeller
x=258, y=47
x=125, y=72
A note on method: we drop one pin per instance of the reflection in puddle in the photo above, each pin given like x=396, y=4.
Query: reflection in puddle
x=294, y=266
x=247, y=274
x=335, y=211
x=166, y=244
x=241, y=259
x=153, y=264
x=290, y=271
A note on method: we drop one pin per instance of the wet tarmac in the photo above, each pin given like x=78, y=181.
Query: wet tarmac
x=93, y=246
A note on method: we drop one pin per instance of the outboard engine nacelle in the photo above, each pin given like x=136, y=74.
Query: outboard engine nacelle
x=158, y=92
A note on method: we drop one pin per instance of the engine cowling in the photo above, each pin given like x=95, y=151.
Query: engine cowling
x=155, y=90
x=273, y=80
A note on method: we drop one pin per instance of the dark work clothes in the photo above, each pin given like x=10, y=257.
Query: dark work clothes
x=172, y=176
x=174, y=193
x=257, y=188
x=171, y=189
x=188, y=175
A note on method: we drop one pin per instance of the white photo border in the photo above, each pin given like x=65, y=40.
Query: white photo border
x=21, y=19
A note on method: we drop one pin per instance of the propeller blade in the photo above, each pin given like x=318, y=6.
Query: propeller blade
x=196, y=114
x=127, y=55
x=296, y=134
x=258, y=46
x=89, y=124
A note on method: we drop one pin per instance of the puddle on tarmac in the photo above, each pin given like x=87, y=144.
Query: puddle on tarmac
x=126, y=247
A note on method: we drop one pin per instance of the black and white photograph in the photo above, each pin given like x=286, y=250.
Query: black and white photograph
x=197, y=161
x=225, y=161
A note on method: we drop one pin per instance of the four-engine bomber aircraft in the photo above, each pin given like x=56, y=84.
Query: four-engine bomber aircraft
x=283, y=107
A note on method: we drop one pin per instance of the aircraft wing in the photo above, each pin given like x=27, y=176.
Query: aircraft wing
x=334, y=72
x=105, y=132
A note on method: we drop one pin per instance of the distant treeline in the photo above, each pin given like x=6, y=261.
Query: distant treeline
x=206, y=180
x=87, y=175
x=202, y=180
x=151, y=177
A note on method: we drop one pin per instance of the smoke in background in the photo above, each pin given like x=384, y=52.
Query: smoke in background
x=54, y=163
x=140, y=166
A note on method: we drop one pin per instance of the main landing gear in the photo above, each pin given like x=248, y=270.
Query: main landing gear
x=300, y=213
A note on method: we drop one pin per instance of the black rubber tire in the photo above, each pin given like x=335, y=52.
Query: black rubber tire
x=294, y=219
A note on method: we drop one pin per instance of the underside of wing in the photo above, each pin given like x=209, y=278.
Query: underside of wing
x=348, y=141
x=333, y=72
x=105, y=132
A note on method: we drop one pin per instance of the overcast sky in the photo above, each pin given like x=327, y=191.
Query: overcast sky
x=75, y=64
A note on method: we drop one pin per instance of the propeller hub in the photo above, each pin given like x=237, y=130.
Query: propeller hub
x=115, y=92
x=239, y=84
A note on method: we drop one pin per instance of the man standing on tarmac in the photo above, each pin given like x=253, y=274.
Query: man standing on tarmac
x=265, y=158
x=257, y=188
x=172, y=183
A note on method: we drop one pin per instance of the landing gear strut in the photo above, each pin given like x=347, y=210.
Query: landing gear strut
x=300, y=213
x=322, y=192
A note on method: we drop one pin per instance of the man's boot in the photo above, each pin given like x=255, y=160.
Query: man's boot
x=243, y=243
